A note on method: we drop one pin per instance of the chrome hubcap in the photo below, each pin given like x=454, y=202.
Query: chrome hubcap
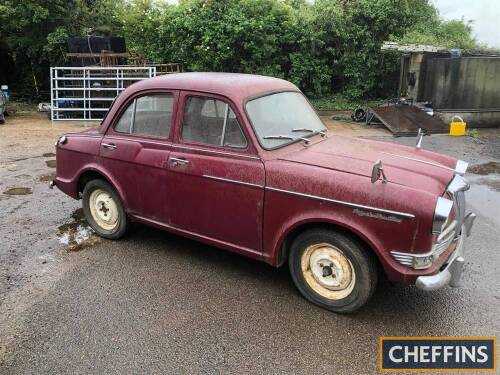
x=328, y=271
x=103, y=209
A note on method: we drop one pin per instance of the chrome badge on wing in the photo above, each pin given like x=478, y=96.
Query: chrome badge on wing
x=375, y=215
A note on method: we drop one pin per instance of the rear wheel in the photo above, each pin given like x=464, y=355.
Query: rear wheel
x=103, y=209
x=332, y=270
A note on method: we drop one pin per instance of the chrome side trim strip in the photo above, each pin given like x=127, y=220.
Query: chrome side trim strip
x=344, y=203
x=233, y=181
x=84, y=135
x=215, y=152
x=140, y=141
x=419, y=161
x=168, y=143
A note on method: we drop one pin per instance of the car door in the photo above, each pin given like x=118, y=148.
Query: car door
x=135, y=150
x=217, y=182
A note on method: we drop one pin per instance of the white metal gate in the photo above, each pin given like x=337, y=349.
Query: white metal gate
x=86, y=93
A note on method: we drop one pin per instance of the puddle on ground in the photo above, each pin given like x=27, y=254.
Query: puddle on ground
x=18, y=191
x=77, y=235
x=490, y=182
x=49, y=155
x=485, y=168
x=51, y=163
x=483, y=197
x=46, y=177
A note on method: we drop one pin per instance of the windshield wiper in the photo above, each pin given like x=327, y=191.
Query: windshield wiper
x=321, y=132
x=303, y=130
x=279, y=136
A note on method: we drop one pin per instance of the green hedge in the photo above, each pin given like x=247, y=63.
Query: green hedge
x=326, y=47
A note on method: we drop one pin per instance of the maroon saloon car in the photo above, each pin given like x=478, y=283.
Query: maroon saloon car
x=244, y=163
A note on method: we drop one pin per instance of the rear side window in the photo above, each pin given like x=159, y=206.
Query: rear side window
x=211, y=121
x=148, y=115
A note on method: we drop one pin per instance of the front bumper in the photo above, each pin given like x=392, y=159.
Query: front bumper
x=452, y=271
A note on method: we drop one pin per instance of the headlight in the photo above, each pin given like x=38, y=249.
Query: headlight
x=441, y=217
x=461, y=167
x=441, y=214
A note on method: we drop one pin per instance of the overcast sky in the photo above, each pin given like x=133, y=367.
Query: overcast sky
x=485, y=15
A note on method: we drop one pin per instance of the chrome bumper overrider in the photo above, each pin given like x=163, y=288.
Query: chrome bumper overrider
x=452, y=272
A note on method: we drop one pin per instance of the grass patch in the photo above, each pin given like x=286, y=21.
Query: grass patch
x=339, y=103
x=22, y=106
x=473, y=133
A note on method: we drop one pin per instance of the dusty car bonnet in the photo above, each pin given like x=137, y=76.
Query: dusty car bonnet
x=419, y=169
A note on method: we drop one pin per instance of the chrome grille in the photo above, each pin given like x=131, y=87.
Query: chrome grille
x=404, y=259
x=457, y=188
x=459, y=198
x=445, y=239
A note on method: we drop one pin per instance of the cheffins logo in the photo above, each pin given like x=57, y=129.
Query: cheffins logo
x=440, y=354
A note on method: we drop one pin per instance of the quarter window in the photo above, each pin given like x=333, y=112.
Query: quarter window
x=212, y=122
x=124, y=125
x=148, y=115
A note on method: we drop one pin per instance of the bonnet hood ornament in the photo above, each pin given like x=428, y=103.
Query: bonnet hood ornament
x=378, y=172
x=420, y=136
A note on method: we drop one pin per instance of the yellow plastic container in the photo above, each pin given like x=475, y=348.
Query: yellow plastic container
x=457, y=128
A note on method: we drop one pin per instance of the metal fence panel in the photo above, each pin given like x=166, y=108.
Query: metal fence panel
x=86, y=93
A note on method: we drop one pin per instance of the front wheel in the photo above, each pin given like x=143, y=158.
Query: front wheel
x=332, y=270
x=103, y=209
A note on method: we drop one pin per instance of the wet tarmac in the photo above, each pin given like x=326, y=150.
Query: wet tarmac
x=153, y=302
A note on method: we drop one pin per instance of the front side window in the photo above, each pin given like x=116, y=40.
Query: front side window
x=211, y=121
x=282, y=118
x=148, y=115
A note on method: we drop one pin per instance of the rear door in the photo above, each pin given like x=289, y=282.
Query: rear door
x=136, y=148
x=217, y=182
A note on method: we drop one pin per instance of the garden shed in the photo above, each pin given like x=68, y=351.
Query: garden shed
x=451, y=82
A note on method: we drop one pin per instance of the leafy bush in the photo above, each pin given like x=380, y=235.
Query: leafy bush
x=325, y=47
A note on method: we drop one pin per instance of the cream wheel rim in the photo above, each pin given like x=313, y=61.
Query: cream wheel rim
x=103, y=209
x=328, y=271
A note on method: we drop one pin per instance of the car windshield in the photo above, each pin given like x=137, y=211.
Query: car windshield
x=282, y=118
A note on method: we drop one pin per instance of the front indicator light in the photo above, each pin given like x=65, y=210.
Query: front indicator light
x=422, y=262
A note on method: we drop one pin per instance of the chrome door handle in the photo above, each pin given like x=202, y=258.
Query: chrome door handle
x=176, y=162
x=108, y=145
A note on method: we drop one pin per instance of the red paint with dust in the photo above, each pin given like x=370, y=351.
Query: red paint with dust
x=261, y=198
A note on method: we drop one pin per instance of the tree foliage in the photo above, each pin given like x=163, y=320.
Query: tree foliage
x=34, y=32
x=325, y=46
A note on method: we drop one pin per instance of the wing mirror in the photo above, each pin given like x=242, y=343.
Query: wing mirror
x=378, y=172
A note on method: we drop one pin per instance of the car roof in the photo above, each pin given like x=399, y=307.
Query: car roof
x=236, y=86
